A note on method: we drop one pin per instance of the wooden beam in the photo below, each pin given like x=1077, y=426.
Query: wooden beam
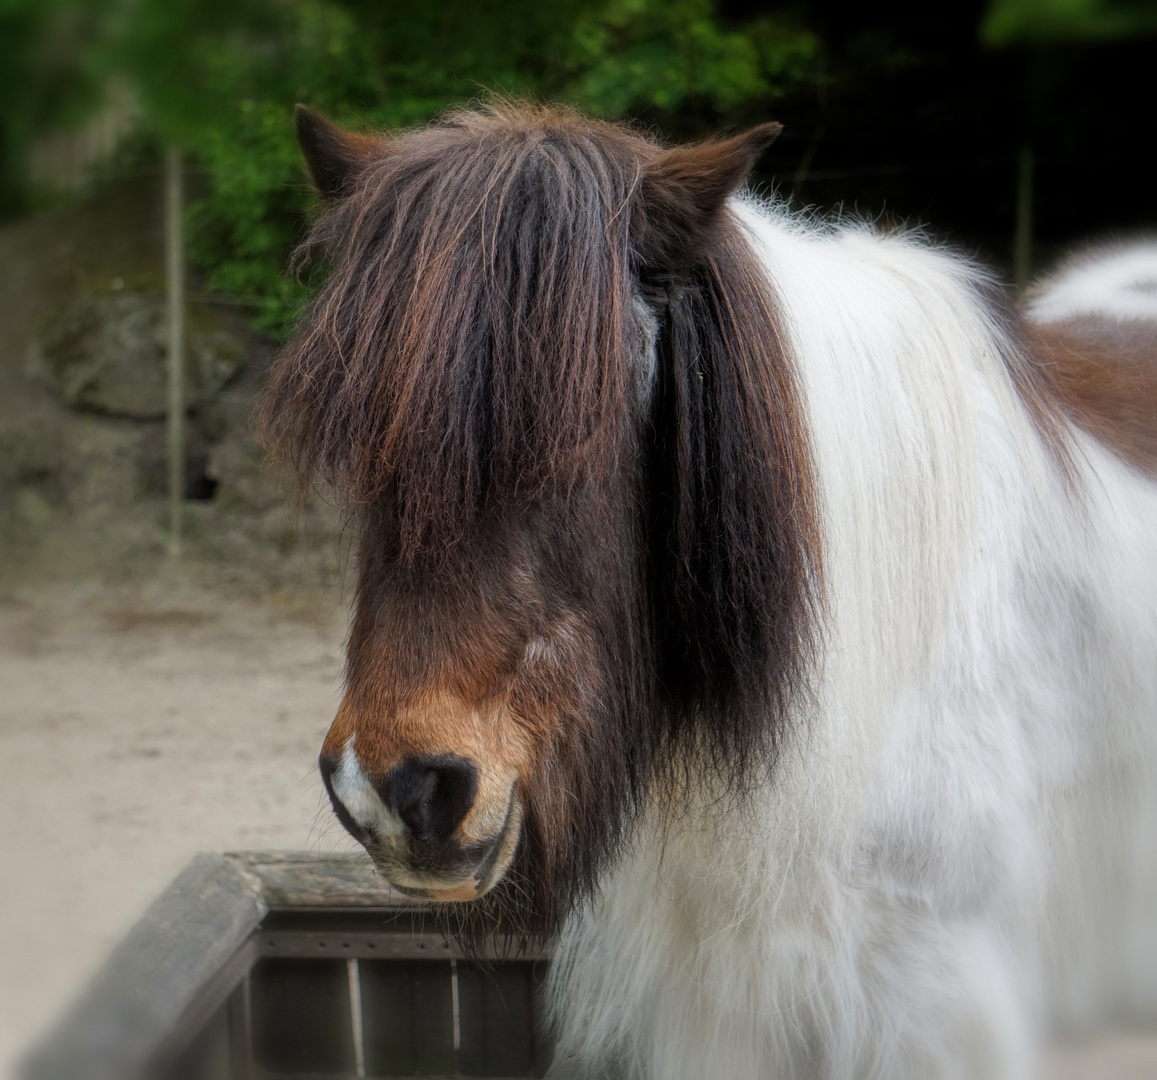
x=190, y=954
x=290, y=880
x=141, y=995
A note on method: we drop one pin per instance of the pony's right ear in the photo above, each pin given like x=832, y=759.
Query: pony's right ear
x=333, y=157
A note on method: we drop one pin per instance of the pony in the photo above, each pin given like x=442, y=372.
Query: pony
x=762, y=609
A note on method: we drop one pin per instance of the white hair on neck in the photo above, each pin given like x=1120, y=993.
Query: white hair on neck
x=957, y=859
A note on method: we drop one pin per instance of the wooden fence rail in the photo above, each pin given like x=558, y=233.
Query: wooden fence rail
x=272, y=965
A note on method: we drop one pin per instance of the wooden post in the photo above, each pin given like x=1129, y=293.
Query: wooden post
x=1022, y=238
x=175, y=275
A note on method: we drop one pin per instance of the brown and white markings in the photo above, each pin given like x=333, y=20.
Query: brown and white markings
x=573, y=566
x=1093, y=336
x=776, y=588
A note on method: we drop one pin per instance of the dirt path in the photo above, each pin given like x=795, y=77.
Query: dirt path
x=135, y=732
x=137, y=729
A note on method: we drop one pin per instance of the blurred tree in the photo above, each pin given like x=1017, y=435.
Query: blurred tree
x=643, y=54
x=45, y=79
x=220, y=77
x=893, y=104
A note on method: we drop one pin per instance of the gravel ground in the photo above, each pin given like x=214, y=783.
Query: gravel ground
x=138, y=728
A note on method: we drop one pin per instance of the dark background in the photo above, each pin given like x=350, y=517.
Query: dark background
x=918, y=120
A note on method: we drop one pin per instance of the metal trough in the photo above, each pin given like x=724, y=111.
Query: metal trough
x=260, y=966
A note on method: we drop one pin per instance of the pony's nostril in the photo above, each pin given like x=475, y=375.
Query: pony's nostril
x=431, y=794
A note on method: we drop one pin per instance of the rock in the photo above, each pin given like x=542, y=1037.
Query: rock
x=108, y=354
x=32, y=508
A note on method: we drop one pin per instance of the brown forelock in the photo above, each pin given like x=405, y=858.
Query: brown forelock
x=537, y=624
x=1102, y=372
x=469, y=343
x=639, y=591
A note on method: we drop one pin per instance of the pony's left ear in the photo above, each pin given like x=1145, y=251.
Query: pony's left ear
x=683, y=191
x=333, y=156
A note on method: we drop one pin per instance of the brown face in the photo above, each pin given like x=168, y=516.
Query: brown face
x=465, y=680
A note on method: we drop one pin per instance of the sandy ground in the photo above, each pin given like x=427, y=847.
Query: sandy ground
x=138, y=729
x=135, y=732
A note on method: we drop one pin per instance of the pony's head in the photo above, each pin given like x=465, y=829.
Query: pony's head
x=548, y=373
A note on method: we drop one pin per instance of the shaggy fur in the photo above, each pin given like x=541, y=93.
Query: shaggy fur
x=475, y=376
x=604, y=425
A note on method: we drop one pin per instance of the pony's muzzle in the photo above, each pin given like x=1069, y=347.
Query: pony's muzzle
x=411, y=821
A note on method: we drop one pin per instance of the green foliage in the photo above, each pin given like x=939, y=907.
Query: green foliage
x=44, y=79
x=1010, y=21
x=220, y=77
x=636, y=52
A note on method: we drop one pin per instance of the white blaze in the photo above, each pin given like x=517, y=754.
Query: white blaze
x=355, y=792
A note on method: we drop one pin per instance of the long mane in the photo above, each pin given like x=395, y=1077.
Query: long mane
x=476, y=352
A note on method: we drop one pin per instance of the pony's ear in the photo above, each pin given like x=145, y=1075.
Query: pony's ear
x=333, y=157
x=683, y=191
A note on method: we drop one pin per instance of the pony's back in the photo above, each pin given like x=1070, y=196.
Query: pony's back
x=1094, y=323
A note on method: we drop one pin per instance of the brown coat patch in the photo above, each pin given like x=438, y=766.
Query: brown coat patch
x=1102, y=372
